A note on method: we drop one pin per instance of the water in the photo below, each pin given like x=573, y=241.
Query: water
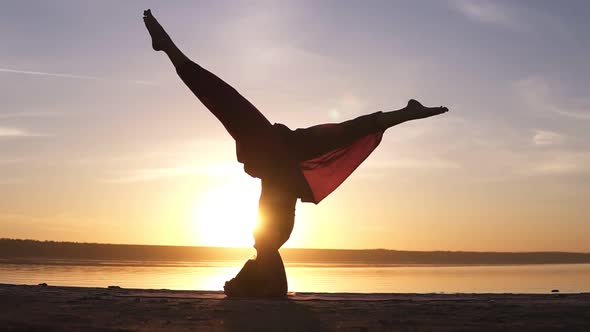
x=568, y=278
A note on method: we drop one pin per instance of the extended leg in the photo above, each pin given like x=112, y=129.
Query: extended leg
x=309, y=143
x=241, y=119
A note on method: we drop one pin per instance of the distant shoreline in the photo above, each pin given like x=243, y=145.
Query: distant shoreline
x=297, y=296
x=13, y=251
x=201, y=263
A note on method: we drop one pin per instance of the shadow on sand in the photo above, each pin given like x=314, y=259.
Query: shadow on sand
x=266, y=314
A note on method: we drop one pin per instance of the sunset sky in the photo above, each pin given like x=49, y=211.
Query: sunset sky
x=101, y=142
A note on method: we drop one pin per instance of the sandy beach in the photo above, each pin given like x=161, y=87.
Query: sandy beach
x=48, y=308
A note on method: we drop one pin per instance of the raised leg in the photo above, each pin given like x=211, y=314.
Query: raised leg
x=161, y=41
x=242, y=120
x=312, y=142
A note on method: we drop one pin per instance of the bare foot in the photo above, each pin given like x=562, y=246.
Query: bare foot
x=419, y=111
x=160, y=39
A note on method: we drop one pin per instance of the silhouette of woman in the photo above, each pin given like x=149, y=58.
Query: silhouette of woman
x=305, y=163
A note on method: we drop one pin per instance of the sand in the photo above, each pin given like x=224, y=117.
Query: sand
x=47, y=308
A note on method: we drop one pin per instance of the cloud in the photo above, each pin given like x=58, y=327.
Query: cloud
x=415, y=164
x=488, y=12
x=153, y=174
x=61, y=222
x=72, y=76
x=545, y=137
x=15, y=132
x=562, y=163
x=4, y=161
x=32, y=114
x=555, y=167
x=10, y=181
x=174, y=151
x=514, y=16
x=532, y=164
x=541, y=94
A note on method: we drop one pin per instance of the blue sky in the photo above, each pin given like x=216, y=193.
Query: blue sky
x=100, y=141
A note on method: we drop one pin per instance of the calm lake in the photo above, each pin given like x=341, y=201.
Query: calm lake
x=331, y=278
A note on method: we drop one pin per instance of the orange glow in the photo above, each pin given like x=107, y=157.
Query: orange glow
x=227, y=214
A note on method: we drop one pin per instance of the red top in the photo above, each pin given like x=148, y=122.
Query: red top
x=325, y=173
x=313, y=179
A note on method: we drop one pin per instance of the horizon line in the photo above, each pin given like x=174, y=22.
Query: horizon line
x=291, y=248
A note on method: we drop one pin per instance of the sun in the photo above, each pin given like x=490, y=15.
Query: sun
x=226, y=216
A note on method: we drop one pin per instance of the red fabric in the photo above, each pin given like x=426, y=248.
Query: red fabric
x=325, y=173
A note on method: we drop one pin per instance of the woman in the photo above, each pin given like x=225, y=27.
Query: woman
x=305, y=163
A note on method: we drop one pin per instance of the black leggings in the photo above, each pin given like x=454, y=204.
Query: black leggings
x=245, y=123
